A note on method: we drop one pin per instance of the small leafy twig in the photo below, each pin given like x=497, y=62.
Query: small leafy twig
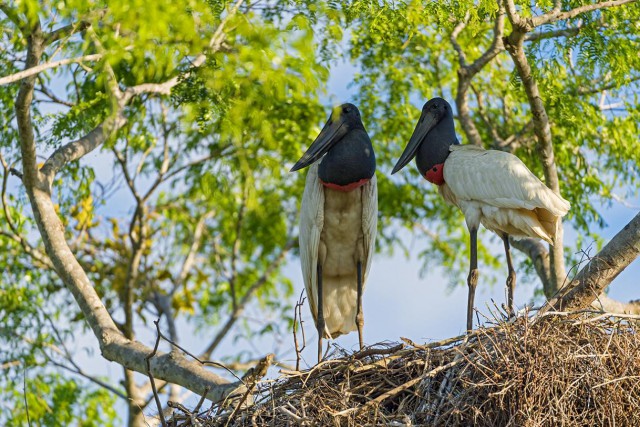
x=297, y=317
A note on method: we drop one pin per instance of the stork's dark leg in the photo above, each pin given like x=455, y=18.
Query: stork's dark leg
x=359, y=314
x=472, y=280
x=511, y=278
x=320, y=322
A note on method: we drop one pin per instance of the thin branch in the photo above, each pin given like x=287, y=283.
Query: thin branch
x=153, y=384
x=497, y=139
x=466, y=74
x=556, y=15
x=235, y=315
x=43, y=89
x=462, y=58
x=14, y=233
x=198, y=232
x=599, y=272
x=92, y=379
x=608, y=86
x=297, y=319
x=514, y=44
x=46, y=66
x=235, y=249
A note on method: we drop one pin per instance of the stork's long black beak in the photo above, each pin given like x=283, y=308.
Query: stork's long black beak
x=427, y=121
x=331, y=133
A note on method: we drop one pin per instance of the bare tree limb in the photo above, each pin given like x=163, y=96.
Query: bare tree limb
x=462, y=58
x=557, y=15
x=610, y=305
x=76, y=149
x=543, y=35
x=467, y=72
x=113, y=344
x=599, y=272
x=13, y=16
x=46, y=66
x=13, y=232
x=514, y=44
x=193, y=250
x=539, y=255
x=69, y=30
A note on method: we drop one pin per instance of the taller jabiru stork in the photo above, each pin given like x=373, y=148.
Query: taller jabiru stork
x=492, y=188
x=338, y=220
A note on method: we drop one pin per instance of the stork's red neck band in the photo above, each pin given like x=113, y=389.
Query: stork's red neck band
x=346, y=188
x=435, y=175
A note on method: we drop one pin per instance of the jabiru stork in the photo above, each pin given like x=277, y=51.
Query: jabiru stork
x=490, y=187
x=338, y=220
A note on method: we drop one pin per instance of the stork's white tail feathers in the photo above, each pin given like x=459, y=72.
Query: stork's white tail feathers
x=498, y=190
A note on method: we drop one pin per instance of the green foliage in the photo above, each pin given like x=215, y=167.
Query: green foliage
x=406, y=57
x=49, y=399
x=216, y=151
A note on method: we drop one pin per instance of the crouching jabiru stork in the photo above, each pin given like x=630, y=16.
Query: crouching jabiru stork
x=492, y=188
x=338, y=219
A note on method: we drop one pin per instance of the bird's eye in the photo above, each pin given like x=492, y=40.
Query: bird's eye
x=434, y=107
x=346, y=110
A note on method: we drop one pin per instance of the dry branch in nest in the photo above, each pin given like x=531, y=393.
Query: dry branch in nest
x=554, y=371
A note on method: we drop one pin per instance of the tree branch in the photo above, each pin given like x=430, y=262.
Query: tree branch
x=599, y=272
x=13, y=16
x=71, y=29
x=556, y=15
x=543, y=35
x=77, y=149
x=514, y=44
x=467, y=72
x=193, y=250
x=113, y=344
x=13, y=232
x=235, y=315
x=539, y=255
x=47, y=65
x=462, y=58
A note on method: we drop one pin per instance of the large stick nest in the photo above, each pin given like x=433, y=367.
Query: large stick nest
x=554, y=371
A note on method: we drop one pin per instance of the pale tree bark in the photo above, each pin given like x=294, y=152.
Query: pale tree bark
x=467, y=72
x=587, y=286
x=539, y=255
x=114, y=345
x=514, y=44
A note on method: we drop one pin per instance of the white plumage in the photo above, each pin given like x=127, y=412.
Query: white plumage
x=336, y=230
x=495, y=189
x=492, y=188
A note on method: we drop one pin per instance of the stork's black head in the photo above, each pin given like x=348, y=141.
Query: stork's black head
x=436, y=126
x=343, y=119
